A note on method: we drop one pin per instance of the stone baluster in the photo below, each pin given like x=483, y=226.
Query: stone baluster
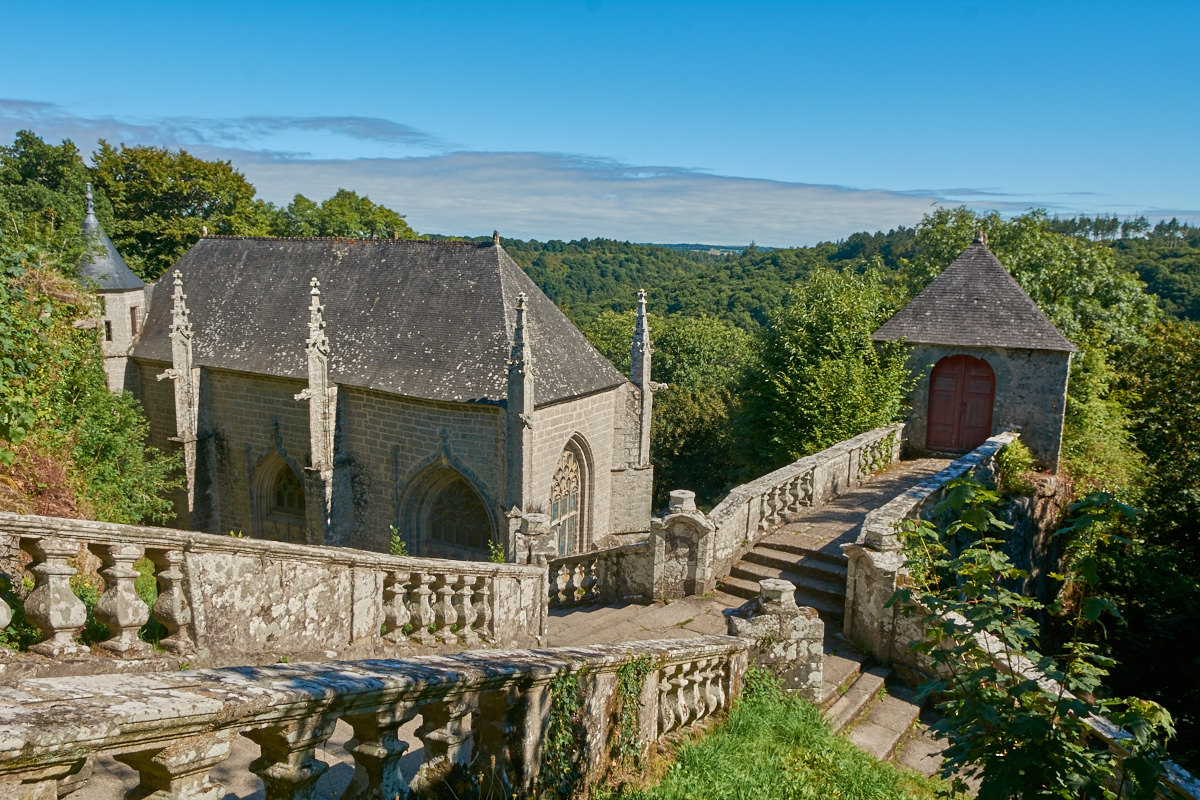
x=445, y=615
x=666, y=707
x=797, y=494
x=588, y=584
x=289, y=767
x=684, y=695
x=395, y=605
x=423, y=608
x=496, y=729
x=377, y=752
x=465, y=609
x=483, y=604
x=119, y=608
x=171, y=609
x=179, y=771
x=576, y=587
x=52, y=606
x=446, y=734
x=806, y=487
x=5, y=614
x=712, y=686
x=562, y=583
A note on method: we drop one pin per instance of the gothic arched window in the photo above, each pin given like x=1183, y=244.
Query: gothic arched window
x=278, y=500
x=565, y=502
x=288, y=495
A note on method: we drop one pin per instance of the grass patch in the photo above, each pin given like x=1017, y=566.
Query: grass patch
x=774, y=746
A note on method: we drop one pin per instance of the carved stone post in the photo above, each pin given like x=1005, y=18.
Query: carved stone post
x=179, y=771
x=120, y=608
x=288, y=766
x=395, y=605
x=321, y=395
x=483, y=602
x=186, y=379
x=519, y=407
x=172, y=608
x=378, y=752
x=446, y=734
x=52, y=606
x=445, y=615
x=639, y=374
x=465, y=609
x=683, y=542
x=424, y=616
x=788, y=638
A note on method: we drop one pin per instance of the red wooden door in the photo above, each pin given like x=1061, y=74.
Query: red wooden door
x=961, y=392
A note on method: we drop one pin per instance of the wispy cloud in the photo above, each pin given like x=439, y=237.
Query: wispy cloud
x=525, y=195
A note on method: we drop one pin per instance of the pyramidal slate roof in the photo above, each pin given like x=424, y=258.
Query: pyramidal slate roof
x=101, y=262
x=431, y=320
x=974, y=303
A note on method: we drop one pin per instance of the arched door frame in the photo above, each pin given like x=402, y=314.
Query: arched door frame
x=960, y=410
x=267, y=521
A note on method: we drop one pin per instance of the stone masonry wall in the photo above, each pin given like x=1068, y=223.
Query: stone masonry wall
x=371, y=425
x=1031, y=390
x=587, y=418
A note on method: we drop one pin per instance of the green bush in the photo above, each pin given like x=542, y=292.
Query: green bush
x=1013, y=465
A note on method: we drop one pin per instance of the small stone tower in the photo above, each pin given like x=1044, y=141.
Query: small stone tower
x=986, y=360
x=123, y=294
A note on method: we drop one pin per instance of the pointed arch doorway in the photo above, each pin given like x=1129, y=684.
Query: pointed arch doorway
x=962, y=391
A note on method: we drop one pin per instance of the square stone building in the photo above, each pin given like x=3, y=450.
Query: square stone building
x=986, y=357
x=327, y=391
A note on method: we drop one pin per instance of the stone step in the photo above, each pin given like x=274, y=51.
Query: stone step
x=857, y=697
x=805, y=546
x=885, y=723
x=838, y=672
x=832, y=591
x=831, y=612
x=820, y=569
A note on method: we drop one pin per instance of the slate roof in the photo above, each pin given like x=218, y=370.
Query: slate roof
x=974, y=303
x=101, y=262
x=431, y=320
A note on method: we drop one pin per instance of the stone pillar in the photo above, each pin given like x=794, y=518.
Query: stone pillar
x=788, y=639
x=52, y=606
x=519, y=405
x=119, y=608
x=533, y=539
x=180, y=770
x=321, y=395
x=186, y=379
x=684, y=543
x=639, y=374
x=872, y=577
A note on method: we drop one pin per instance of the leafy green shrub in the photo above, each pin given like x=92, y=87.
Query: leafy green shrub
x=1013, y=465
x=396, y=544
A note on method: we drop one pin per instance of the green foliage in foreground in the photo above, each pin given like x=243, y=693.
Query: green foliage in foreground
x=776, y=746
x=1019, y=736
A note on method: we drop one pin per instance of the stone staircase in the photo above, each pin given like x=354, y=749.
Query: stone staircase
x=881, y=718
x=816, y=569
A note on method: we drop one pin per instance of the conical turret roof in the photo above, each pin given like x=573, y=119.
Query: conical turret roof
x=102, y=263
x=975, y=303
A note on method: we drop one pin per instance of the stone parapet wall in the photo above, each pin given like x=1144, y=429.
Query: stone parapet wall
x=484, y=719
x=745, y=515
x=237, y=600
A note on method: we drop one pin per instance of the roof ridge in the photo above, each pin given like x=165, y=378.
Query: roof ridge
x=348, y=239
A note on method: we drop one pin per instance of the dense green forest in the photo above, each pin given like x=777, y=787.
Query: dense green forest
x=765, y=353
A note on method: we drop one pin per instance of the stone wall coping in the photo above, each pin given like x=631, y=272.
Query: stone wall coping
x=92, y=532
x=740, y=495
x=55, y=720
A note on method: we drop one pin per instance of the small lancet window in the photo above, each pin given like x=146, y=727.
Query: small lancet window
x=288, y=497
x=108, y=330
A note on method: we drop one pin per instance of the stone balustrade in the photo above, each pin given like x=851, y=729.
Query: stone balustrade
x=750, y=511
x=229, y=600
x=611, y=575
x=483, y=719
x=875, y=568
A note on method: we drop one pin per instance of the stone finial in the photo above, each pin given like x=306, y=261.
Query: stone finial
x=520, y=356
x=980, y=236
x=180, y=324
x=683, y=501
x=316, y=319
x=495, y=238
x=203, y=231
x=90, y=202
x=776, y=592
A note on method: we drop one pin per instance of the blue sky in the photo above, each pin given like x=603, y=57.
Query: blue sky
x=783, y=123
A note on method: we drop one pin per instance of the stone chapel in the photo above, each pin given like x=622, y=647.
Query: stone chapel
x=332, y=391
x=986, y=359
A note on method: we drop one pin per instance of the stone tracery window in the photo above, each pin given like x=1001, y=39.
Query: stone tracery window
x=565, y=505
x=288, y=495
